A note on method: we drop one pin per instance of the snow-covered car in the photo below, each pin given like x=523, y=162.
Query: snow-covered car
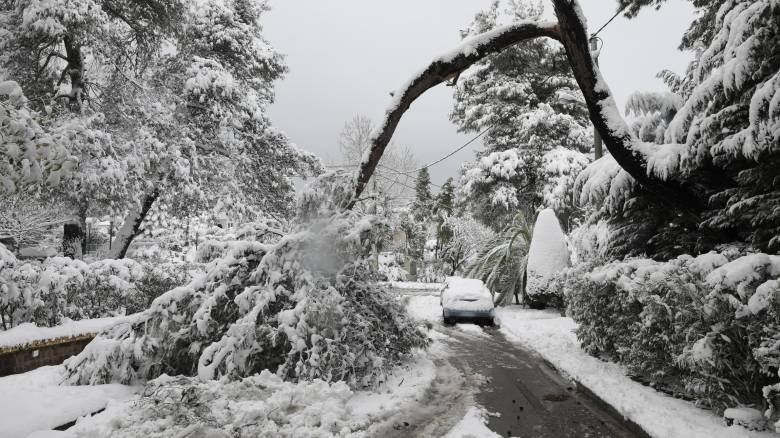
x=466, y=298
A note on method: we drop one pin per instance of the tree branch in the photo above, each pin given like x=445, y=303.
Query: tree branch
x=606, y=117
x=571, y=32
x=438, y=71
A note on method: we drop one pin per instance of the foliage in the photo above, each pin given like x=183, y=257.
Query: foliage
x=48, y=292
x=548, y=254
x=156, y=102
x=703, y=328
x=304, y=307
x=515, y=96
x=26, y=221
x=716, y=130
x=501, y=261
x=423, y=199
x=465, y=235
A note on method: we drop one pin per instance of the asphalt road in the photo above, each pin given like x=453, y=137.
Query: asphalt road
x=530, y=398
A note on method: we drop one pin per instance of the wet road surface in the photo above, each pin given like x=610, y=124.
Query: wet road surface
x=530, y=398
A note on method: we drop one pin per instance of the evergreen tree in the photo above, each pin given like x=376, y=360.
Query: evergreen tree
x=446, y=198
x=516, y=95
x=423, y=201
x=722, y=122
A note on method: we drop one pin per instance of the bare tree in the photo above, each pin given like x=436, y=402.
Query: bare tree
x=394, y=177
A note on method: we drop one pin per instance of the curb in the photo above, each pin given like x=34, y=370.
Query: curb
x=603, y=404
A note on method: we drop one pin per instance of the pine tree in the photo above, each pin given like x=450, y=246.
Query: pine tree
x=516, y=96
x=722, y=123
x=423, y=201
x=445, y=200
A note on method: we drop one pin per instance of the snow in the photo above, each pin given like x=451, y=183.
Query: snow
x=603, y=182
x=266, y=406
x=471, y=328
x=466, y=294
x=552, y=336
x=34, y=401
x=664, y=160
x=414, y=285
x=472, y=425
x=744, y=270
x=548, y=253
x=424, y=307
x=765, y=294
x=27, y=333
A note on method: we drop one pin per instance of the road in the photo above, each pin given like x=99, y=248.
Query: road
x=528, y=398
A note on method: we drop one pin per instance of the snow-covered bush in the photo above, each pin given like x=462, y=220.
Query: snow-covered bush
x=705, y=328
x=390, y=269
x=548, y=255
x=304, y=308
x=48, y=292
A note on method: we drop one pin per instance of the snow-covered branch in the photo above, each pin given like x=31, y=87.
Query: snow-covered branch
x=444, y=67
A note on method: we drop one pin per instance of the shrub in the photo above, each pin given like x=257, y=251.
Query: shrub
x=703, y=328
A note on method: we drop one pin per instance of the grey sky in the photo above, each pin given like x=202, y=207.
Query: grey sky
x=345, y=56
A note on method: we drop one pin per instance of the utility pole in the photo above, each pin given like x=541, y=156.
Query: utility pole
x=598, y=151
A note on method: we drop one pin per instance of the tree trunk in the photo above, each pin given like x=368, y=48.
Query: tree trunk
x=75, y=71
x=131, y=227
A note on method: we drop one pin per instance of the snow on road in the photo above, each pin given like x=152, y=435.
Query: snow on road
x=34, y=401
x=662, y=416
x=472, y=426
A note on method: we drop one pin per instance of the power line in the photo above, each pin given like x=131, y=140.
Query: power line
x=460, y=148
x=610, y=20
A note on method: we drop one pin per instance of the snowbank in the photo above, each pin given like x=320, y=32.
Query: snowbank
x=28, y=333
x=552, y=336
x=472, y=425
x=34, y=401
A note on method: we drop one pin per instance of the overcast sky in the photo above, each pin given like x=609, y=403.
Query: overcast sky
x=345, y=56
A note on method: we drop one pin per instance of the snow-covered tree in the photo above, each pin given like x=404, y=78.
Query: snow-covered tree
x=422, y=207
x=464, y=237
x=515, y=97
x=27, y=221
x=717, y=132
x=166, y=102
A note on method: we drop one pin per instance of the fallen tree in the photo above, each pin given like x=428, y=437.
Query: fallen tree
x=687, y=196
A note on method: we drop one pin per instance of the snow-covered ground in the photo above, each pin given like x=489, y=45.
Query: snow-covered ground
x=414, y=285
x=472, y=426
x=25, y=334
x=34, y=401
x=551, y=335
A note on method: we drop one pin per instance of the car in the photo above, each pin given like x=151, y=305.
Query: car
x=466, y=299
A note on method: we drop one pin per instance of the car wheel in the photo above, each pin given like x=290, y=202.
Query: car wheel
x=447, y=319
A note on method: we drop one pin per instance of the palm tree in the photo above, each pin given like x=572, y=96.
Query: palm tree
x=501, y=262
